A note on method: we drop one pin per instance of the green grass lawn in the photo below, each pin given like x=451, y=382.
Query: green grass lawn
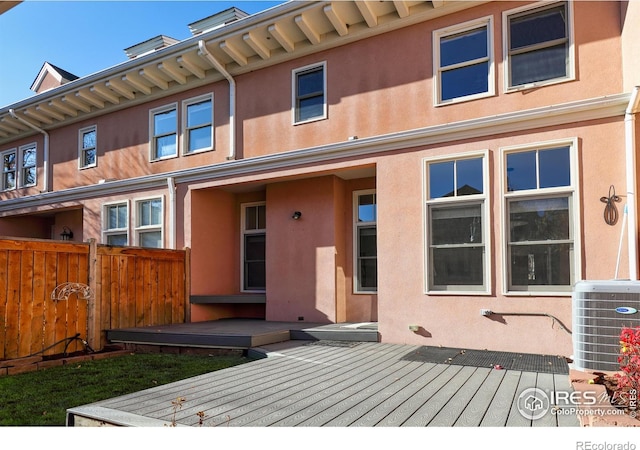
x=43, y=397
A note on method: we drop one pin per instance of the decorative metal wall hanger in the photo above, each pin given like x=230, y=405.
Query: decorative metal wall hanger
x=610, y=209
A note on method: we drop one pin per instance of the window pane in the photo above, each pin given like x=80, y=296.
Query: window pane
x=199, y=138
x=367, y=242
x=10, y=180
x=117, y=239
x=199, y=114
x=9, y=162
x=555, y=167
x=150, y=212
x=151, y=239
x=539, y=219
x=166, y=146
x=458, y=266
x=122, y=216
x=310, y=82
x=89, y=157
x=165, y=122
x=29, y=176
x=89, y=139
x=309, y=108
x=456, y=225
x=254, y=247
x=538, y=27
x=463, y=47
x=113, y=217
x=367, y=209
x=469, y=177
x=368, y=274
x=255, y=275
x=262, y=216
x=544, y=264
x=29, y=157
x=465, y=81
x=441, y=180
x=539, y=65
x=521, y=171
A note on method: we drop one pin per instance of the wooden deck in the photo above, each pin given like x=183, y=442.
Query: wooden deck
x=334, y=384
x=241, y=333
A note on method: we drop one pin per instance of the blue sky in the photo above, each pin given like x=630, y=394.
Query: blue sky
x=84, y=37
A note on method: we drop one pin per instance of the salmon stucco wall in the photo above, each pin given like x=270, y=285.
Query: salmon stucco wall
x=450, y=319
x=302, y=254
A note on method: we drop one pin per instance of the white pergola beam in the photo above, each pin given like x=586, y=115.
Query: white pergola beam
x=338, y=23
x=256, y=45
x=309, y=32
x=284, y=40
x=367, y=13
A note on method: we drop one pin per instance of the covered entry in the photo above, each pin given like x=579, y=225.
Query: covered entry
x=293, y=249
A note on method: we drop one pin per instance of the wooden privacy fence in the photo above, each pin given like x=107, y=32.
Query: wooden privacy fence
x=42, y=309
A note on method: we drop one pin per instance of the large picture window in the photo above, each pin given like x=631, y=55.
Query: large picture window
x=456, y=224
x=463, y=62
x=538, y=45
x=365, y=247
x=539, y=202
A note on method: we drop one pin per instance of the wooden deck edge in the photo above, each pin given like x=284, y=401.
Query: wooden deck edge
x=98, y=416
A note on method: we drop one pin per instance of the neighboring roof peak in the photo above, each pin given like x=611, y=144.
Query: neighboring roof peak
x=50, y=77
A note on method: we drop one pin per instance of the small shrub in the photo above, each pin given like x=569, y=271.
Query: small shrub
x=629, y=359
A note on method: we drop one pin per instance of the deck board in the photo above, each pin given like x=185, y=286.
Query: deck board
x=326, y=383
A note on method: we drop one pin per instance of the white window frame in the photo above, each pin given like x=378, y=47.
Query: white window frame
x=106, y=231
x=82, y=149
x=357, y=289
x=438, y=35
x=22, y=179
x=16, y=171
x=484, y=200
x=571, y=71
x=153, y=151
x=139, y=229
x=294, y=92
x=186, y=129
x=243, y=233
x=572, y=191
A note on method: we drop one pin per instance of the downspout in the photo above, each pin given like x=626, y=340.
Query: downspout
x=630, y=157
x=232, y=96
x=171, y=184
x=45, y=151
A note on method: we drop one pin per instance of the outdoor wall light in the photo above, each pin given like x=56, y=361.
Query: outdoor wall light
x=296, y=215
x=66, y=234
x=414, y=328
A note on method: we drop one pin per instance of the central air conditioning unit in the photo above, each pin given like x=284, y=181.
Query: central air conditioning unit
x=600, y=310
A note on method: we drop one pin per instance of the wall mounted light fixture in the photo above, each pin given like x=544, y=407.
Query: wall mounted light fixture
x=296, y=215
x=66, y=234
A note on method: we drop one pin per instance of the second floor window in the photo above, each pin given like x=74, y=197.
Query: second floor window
x=28, y=165
x=538, y=44
x=88, y=142
x=164, y=132
x=9, y=170
x=463, y=61
x=309, y=93
x=198, y=124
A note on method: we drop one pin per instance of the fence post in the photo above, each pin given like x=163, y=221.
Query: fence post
x=94, y=334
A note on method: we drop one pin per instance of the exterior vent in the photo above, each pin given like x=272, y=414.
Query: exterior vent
x=600, y=310
x=149, y=46
x=217, y=20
